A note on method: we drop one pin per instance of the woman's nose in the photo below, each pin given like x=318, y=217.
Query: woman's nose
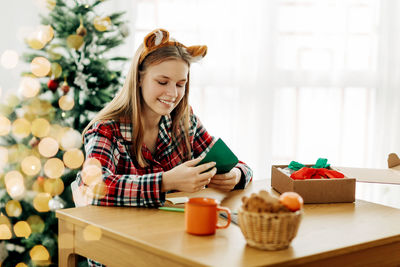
x=172, y=90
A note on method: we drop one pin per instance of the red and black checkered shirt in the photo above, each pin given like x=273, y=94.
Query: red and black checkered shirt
x=127, y=183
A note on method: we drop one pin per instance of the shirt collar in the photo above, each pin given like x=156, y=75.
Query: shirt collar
x=164, y=132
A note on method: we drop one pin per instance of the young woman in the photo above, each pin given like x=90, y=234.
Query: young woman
x=147, y=138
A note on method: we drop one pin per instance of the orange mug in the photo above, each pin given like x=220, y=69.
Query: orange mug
x=201, y=216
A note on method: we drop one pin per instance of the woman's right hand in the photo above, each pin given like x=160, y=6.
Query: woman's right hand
x=187, y=177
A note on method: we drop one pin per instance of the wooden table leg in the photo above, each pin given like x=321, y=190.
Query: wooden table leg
x=66, y=251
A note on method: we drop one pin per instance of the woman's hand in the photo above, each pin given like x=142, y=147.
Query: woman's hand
x=227, y=181
x=188, y=177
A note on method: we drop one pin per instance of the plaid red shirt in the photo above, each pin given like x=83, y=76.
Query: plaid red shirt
x=127, y=183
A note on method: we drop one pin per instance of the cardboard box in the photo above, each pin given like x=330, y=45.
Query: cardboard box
x=384, y=176
x=315, y=190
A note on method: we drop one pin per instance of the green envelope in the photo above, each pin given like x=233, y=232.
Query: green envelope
x=222, y=155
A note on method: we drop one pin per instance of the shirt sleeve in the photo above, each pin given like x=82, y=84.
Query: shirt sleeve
x=117, y=189
x=247, y=175
x=202, y=143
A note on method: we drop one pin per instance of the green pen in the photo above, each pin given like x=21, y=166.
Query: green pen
x=172, y=209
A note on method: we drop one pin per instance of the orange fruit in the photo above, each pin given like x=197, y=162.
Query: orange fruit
x=291, y=200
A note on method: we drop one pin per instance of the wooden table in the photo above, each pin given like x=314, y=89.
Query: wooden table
x=356, y=234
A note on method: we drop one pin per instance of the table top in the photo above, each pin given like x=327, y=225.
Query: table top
x=326, y=230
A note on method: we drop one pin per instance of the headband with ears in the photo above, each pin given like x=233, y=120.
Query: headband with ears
x=160, y=38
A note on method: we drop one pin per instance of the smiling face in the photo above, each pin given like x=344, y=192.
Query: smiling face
x=163, y=87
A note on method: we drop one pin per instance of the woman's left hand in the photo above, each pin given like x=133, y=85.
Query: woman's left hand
x=227, y=181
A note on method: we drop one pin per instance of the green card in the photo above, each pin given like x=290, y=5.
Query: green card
x=222, y=155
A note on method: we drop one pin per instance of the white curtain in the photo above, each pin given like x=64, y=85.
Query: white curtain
x=387, y=116
x=288, y=80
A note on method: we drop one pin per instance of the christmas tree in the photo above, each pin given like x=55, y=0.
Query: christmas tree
x=70, y=79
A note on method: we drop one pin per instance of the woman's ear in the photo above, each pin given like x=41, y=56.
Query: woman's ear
x=156, y=38
x=197, y=50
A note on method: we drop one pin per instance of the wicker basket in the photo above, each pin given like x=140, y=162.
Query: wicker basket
x=269, y=231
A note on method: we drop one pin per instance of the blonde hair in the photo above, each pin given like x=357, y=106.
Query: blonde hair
x=128, y=102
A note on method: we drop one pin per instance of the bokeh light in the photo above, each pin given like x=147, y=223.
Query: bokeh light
x=54, y=168
x=95, y=191
x=74, y=41
x=15, y=184
x=56, y=70
x=57, y=132
x=22, y=229
x=31, y=165
x=5, y=232
x=41, y=202
x=5, y=227
x=5, y=125
x=21, y=128
x=40, y=127
x=54, y=186
x=13, y=208
x=66, y=102
x=4, y=220
x=40, y=66
x=73, y=158
x=36, y=223
x=92, y=233
x=21, y=264
x=92, y=161
x=34, y=42
x=29, y=86
x=99, y=190
x=48, y=147
x=9, y=59
x=71, y=139
x=39, y=253
x=91, y=175
x=102, y=24
x=38, y=184
x=40, y=36
x=45, y=33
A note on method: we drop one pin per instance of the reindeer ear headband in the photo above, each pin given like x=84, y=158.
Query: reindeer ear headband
x=160, y=38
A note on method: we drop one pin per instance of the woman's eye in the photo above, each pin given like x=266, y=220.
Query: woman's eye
x=180, y=85
x=162, y=83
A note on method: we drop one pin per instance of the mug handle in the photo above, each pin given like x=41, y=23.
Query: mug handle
x=228, y=212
